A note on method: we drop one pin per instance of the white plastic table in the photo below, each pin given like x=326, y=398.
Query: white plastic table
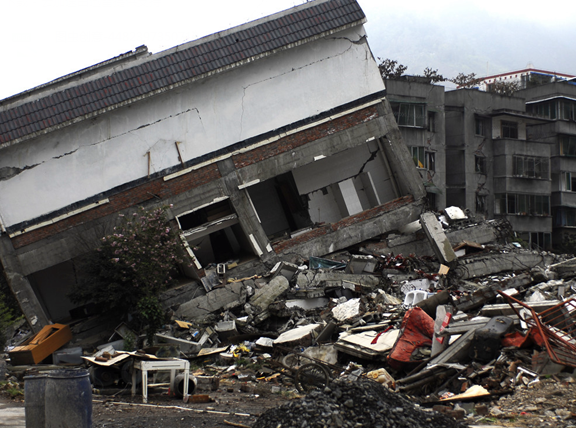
x=172, y=365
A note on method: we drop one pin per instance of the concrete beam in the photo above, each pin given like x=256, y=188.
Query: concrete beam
x=440, y=243
x=231, y=296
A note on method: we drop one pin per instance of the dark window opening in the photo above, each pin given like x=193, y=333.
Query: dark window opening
x=567, y=145
x=215, y=235
x=509, y=129
x=431, y=121
x=279, y=206
x=481, y=126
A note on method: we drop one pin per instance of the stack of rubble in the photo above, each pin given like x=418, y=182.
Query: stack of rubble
x=447, y=309
x=352, y=404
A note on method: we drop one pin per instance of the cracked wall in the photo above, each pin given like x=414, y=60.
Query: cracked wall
x=94, y=156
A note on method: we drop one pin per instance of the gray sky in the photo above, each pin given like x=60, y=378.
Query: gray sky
x=42, y=40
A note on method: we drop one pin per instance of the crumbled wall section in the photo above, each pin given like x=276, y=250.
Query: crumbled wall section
x=123, y=200
x=298, y=139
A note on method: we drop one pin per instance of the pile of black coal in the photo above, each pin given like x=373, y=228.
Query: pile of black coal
x=360, y=403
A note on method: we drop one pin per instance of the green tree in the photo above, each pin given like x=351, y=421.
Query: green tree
x=132, y=266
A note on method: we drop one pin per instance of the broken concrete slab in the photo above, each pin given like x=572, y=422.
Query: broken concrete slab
x=457, y=351
x=506, y=309
x=489, y=292
x=440, y=243
x=369, y=344
x=302, y=336
x=266, y=295
x=489, y=264
x=337, y=279
x=230, y=296
x=308, y=304
x=181, y=294
x=564, y=269
x=347, y=310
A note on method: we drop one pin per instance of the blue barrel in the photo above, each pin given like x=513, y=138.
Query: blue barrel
x=34, y=393
x=68, y=399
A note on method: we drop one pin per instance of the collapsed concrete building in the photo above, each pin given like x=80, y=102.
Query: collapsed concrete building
x=268, y=139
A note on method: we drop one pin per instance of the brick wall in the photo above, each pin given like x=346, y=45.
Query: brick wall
x=298, y=139
x=123, y=200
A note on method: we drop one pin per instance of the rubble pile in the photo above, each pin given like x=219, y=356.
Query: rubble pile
x=448, y=310
x=346, y=403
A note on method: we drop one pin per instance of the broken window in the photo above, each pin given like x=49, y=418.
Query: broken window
x=214, y=234
x=567, y=145
x=423, y=158
x=530, y=167
x=409, y=114
x=480, y=165
x=521, y=204
x=509, y=129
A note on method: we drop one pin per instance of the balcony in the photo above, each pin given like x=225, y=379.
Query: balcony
x=563, y=199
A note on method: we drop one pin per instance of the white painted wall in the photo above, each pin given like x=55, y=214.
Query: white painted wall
x=328, y=203
x=94, y=156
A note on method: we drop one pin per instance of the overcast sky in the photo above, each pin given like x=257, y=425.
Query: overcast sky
x=42, y=40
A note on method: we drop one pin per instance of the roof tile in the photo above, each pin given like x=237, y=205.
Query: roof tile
x=159, y=72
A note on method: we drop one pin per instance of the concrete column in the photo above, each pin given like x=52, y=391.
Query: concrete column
x=246, y=215
x=21, y=287
x=403, y=169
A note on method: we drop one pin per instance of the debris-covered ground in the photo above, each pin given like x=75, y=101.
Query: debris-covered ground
x=452, y=314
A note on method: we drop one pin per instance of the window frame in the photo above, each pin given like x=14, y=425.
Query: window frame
x=534, y=167
x=522, y=204
x=567, y=144
x=406, y=114
x=424, y=159
x=509, y=129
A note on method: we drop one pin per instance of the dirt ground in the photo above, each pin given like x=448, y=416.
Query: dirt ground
x=548, y=403
x=224, y=410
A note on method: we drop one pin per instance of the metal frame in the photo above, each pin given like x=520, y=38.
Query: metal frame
x=156, y=365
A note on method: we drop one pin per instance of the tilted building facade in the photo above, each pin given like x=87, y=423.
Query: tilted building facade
x=267, y=140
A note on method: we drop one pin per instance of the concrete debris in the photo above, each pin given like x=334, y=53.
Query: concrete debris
x=426, y=322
